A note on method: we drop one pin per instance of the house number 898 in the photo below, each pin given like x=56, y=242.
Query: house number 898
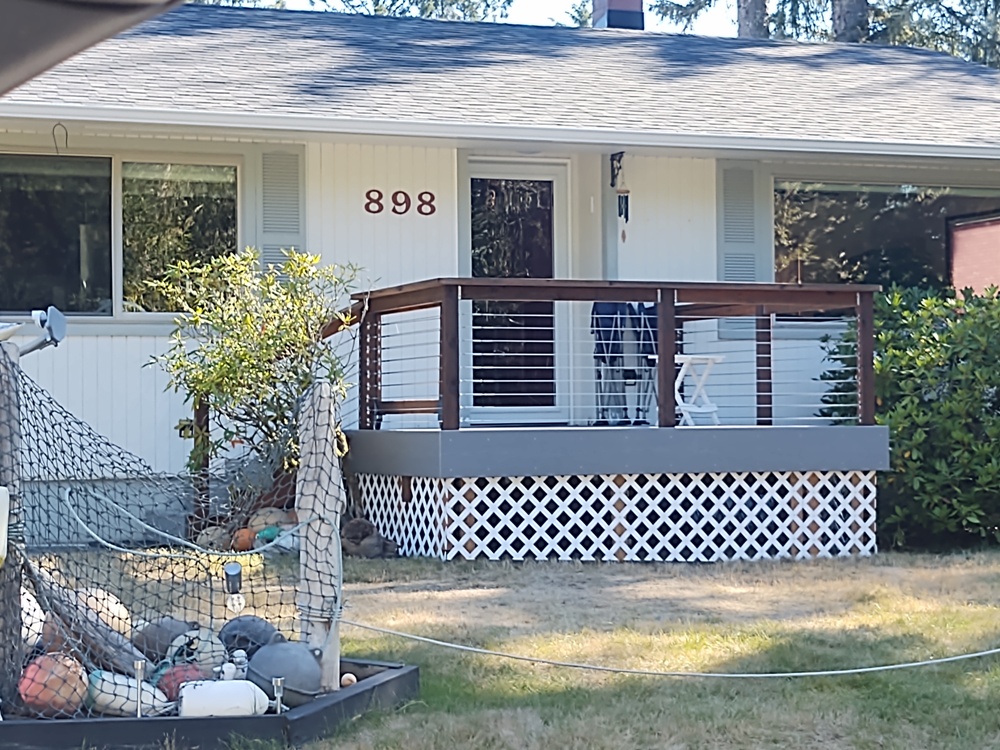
x=401, y=202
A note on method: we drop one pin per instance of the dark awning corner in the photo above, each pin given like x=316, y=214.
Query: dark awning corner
x=35, y=35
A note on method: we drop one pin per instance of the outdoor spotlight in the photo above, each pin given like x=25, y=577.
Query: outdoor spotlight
x=235, y=601
x=234, y=577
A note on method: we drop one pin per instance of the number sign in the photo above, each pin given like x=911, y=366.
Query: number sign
x=400, y=203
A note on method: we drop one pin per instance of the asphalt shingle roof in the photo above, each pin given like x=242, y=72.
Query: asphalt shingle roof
x=224, y=61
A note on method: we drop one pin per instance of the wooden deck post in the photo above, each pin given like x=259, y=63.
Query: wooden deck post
x=11, y=644
x=765, y=387
x=666, y=347
x=450, y=364
x=370, y=370
x=866, y=358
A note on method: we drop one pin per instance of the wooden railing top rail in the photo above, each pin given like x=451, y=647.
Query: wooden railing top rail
x=594, y=284
x=708, y=299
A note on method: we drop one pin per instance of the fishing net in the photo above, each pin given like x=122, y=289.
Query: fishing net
x=124, y=588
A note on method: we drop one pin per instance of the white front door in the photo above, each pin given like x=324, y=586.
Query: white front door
x=516, y=354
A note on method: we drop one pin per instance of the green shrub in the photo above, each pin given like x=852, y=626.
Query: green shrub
x=937, y=380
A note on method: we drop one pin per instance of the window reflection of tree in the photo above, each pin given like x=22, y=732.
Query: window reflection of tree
x=868, y=234
x=512, y=224
x=171, y=213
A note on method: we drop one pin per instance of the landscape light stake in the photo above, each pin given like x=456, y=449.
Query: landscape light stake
x=140, y=674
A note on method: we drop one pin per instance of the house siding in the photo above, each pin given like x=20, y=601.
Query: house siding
x=672, y=232
x=104, y=381
x=389, y=249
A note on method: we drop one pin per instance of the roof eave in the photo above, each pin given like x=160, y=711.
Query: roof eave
x=304, y=125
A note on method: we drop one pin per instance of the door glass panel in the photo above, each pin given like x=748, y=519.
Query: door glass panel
x=513, y=348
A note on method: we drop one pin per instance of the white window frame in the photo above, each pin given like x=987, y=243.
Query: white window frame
x=137, y=323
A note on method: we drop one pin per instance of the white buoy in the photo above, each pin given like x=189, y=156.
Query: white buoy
x=32, y=619
x=229, y=698
x=117, y=695
x=199, y=645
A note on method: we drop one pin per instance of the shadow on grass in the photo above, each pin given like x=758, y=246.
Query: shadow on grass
x=951, y=705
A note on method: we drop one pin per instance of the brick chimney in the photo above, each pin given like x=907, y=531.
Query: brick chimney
x=618, y=14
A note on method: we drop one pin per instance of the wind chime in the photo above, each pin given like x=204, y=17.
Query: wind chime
x=621, y=188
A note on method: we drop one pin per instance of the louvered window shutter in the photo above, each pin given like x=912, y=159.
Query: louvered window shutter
x=739, y=253
x=281, y=209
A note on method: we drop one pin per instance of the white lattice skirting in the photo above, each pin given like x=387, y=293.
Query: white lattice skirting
x=636, y=517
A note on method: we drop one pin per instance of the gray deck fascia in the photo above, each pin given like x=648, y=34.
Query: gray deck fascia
x=516, y=451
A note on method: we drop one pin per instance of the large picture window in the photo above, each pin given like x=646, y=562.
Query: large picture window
x=880, y=234
x=55, y=234
x=56, y=229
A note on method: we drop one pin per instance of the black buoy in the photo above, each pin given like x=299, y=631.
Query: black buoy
x=248, y=632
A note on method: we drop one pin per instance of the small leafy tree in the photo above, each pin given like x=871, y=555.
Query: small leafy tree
x=249, y=342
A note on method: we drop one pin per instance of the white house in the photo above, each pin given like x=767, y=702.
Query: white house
x=611, y=154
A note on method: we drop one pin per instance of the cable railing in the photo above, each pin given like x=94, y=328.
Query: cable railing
x=456, y=353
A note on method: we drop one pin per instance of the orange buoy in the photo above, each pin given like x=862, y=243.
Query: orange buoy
x=171, y=681
x=243, y=540
x=53, y=685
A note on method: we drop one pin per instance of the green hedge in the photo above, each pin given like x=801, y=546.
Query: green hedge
x=937, y=380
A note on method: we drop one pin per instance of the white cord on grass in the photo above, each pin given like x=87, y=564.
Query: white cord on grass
x=657, y=673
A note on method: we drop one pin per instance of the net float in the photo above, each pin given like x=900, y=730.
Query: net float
x=154, y=639
x=53, y=685
x=171, y=681
x=213, y=538
x=32, y=619
x=226, y=698
x=119, y=695
x=247, y=632
x=267, y=517
x=109, y=608
x=243, y=540
x=198, y=646
x=296, y=663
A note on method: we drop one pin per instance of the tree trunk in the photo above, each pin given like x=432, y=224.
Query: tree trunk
x=11, y=645
x=850, y=20
x=202, y=447
x=752, y=19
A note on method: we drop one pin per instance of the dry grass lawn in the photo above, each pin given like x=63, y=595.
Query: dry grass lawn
x=733, y=617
